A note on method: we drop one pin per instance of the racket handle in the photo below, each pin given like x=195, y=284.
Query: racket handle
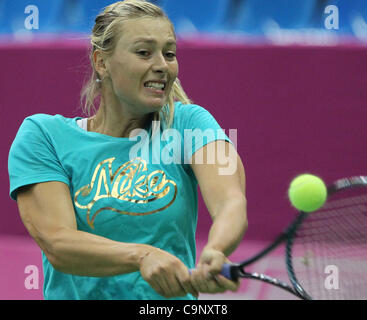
x=229, y=271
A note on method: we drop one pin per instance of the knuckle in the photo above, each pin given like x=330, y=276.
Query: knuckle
x=176, y=264
x=186, y=282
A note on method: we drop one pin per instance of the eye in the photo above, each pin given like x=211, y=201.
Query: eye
x=143, y=53
x=170, y=55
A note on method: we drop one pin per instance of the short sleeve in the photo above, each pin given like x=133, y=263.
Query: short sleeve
x=200, y=128
x=32, y=158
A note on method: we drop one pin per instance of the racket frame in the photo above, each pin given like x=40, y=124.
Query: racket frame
x=235, y=271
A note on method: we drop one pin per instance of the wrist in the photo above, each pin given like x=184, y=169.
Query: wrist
x=141, y=252
x=213, y=246
x=210, y=247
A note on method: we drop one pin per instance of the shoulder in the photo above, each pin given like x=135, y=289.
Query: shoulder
x=39, y=126
x=187, y=109
x=192, y=115
x=187, y=113
x=44, y=121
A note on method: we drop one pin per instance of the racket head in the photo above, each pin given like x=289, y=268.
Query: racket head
x=326, y=251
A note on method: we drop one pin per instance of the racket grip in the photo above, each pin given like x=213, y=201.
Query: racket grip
x=228, y=270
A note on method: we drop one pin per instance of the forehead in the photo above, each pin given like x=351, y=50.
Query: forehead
x=158, y=29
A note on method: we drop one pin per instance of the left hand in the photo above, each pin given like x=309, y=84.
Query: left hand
x=206, y=278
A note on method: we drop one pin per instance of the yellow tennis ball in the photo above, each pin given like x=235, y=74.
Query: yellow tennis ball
x=307, y=193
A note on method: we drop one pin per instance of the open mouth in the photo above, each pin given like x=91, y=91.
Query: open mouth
x=155, y=85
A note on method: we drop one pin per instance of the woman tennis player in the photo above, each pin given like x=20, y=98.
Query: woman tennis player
x=111, y=223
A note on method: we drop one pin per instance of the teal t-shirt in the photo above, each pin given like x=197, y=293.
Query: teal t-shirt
x=132, y=190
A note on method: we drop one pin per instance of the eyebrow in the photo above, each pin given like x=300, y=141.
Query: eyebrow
x=150, y=40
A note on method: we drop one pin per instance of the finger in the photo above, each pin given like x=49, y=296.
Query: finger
x=212, y=286
x=216, y=264
x=199, y=275
x=176, y=287
x=214, y=259
x=195, y=280
x=188, y=288
x=184, y=279
x=180, y=282
x=203, y=281
x=215, y=286
x=155, y=284
x=172, y=286
x=218, y=283
x=227, y=284
x=159, y=280
x=220, y=286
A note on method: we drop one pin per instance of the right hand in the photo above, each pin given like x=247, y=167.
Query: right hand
x=166, y=274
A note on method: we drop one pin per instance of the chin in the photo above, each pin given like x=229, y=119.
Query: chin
x=155, y=105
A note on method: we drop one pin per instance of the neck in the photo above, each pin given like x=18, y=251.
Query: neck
x=119, y=126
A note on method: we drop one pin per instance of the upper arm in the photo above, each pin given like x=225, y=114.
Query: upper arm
x=220, y=174
x=44, y=209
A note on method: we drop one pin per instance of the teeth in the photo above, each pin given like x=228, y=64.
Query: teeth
x=155, y=85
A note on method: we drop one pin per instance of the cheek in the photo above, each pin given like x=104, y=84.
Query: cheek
x=120, y=84
x=174, y=71
x=123, y=78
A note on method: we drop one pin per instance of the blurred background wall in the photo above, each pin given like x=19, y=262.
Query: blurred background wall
x=289, y=75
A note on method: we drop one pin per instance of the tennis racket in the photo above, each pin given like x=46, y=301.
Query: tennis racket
x=331, y=239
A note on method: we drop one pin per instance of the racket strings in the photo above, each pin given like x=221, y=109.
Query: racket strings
x=329, y=253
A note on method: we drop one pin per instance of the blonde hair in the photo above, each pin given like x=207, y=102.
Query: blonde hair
x=105, y=34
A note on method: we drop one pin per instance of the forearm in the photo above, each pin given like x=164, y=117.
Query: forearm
x=229, y=226
x=85, y=254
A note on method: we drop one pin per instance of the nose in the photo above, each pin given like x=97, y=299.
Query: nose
x=160, y=64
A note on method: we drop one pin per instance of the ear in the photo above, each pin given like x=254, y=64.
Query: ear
x=99, y=61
